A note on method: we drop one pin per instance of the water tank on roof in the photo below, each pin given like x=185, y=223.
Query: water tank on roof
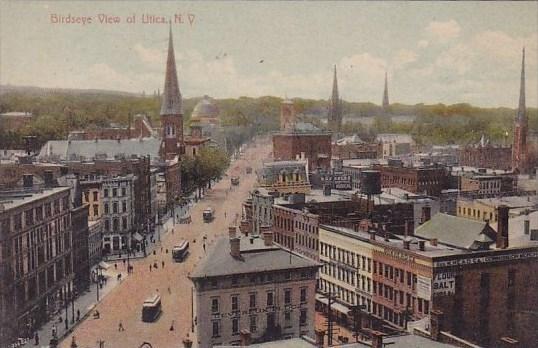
x=370, y=182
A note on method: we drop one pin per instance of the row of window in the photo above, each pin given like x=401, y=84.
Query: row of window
x=34, y=215
x=345, y=275
x=253, y=300
x=347, y=257
x=217, y=330
x=106, y=193
x=115, y=225
x=115, y=207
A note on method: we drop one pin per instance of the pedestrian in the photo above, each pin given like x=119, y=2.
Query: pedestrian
x=162, y=264
x=36, y=339
x=54, y=331
x=123, y=262
x=120, y=326
x=161, y=250
x=169, y=291
x=78, y=315
x=150, y=268
x=225, y=215
x=115, y=266
x=204, y=246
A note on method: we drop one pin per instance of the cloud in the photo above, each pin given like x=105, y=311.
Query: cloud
x=150, y=56
x=444, y=31
x=403, y=57
x=423, y=43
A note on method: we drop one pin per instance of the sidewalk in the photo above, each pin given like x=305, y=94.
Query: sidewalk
x=84, y=303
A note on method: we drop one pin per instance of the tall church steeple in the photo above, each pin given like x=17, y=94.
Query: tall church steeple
x=171, y=108
x=385, y=102
x=335, y=107
x=519, y=147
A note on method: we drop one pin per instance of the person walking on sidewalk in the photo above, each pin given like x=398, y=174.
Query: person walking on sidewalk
x=54, y=331
x=78, y=315
x=120, y=326
x=150, y=268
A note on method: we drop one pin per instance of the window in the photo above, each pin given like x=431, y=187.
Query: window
x=124, y=206
x=252, y=301
x=235, y=326
x=270, y=299
x=234, y=280
x=287, y=317
x=302, y=320
x=511, y=277
x=214, y=305
x=216, y=328
x=95, y=210
x=86, y=196
x=213, y=283
x=287, y=296
x=107, y=209
x=235, y=303
x=303, y=295
x=105, y=193
x=115, y=207
x=123, y=191
x=253, y=325
x=95, y=195
x=114, y=192
x=124, y=222
x=107, y=225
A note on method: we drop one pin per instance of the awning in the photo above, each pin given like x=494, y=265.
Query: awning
x=335, y=305
x=104, y=265
x=138, y=237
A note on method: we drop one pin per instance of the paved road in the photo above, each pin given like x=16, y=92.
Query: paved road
x=124, y=303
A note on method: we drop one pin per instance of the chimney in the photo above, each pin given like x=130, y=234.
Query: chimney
x=27, y=180
x=526, y=225
x=320, y=338
x=433, y=242
x=436, y=324
x=232, y=232
x=377, y=339
x=245, y=338
x=421, y=245
x=235, y=247
x=502, y=227
x=406, y=243
x=48, y=177
x=426, y=214
x=267, y=238
x=372, y=235
x=385, y=233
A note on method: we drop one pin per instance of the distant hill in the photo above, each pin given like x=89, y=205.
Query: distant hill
x=43, y=91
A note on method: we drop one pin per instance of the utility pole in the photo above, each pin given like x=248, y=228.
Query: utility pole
x=356, y=314
x=331, y=298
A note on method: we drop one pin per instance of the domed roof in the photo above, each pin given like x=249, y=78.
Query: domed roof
x=205, y=109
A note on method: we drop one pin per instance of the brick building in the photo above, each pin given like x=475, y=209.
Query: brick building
x=316, y=148
x=486, y=156
x=14, y=121
x=352, y=147
x=141, y=128
x=429, y=180
x=454, y=266
x=285, y=177
x=36, y=258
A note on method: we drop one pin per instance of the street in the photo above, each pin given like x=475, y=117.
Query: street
x=124, y=303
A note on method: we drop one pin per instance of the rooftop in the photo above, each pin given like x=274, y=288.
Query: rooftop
x=14, y=199
x=456, y=231
x=255, y=257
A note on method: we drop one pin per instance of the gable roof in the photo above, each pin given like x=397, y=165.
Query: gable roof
x=456, y=231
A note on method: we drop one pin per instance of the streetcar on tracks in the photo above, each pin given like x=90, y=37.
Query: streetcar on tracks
x=151, y=309
x=180, y=251
x=208, y=214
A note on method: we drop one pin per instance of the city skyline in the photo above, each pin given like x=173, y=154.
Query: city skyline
x=447, y=53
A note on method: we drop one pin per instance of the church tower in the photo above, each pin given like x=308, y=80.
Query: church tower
x=385, y=102
x=519, y=148
x=171, y=109
x=335, y=108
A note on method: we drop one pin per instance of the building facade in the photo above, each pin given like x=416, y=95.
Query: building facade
x=36, y=258
x=254, y=287
x=429, y=180
x=118, y=214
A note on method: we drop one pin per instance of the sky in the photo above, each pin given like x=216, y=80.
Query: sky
x=433, y=52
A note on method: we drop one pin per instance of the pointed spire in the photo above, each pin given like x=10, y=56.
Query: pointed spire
x=521, y=112
x=335, y=106
x=171, y=102
x=386, y=94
